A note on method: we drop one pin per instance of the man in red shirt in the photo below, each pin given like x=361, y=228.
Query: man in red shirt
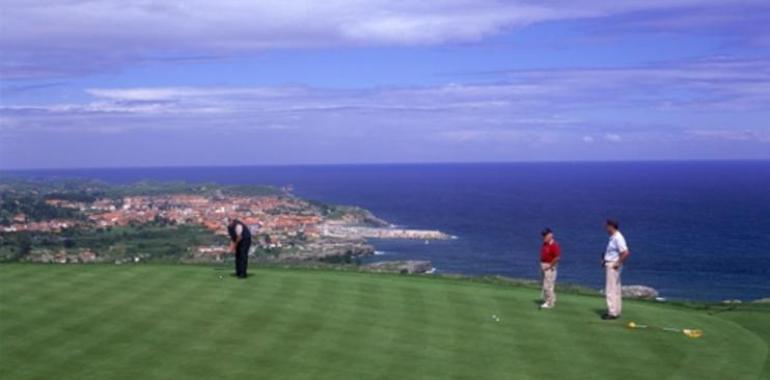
x=549, y=258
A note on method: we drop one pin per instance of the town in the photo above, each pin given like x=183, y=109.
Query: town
x=286, y=227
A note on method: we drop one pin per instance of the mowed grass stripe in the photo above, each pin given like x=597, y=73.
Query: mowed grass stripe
x=100, y=325
x=344, y=350
x=348, y=346
x=270, y=323
x=309, y=327
x=166, y=325
x=53, y=312
x=501, y=347
x=124, y=332
x=218, y=325
x=753, y=319
x=394, y=342
x=154, y=322
x=115, y=332
x=703, y=360
x=329, y=352
x=27, y=291
x=203, y=337
x=465, y=309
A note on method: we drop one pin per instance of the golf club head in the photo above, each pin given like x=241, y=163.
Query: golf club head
x=693, y=333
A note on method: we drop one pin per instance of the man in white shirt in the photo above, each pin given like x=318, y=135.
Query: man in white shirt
x=615, y=256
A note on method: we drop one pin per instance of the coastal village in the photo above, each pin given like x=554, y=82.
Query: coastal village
x=311, y=230
x=274, y=214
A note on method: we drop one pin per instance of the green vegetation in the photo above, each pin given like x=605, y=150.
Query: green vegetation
x=82, y=190
x=185, y=322
x=251, y=190
x=51, y=186
x=156, y=241
x=330, y=211
x=33, y=206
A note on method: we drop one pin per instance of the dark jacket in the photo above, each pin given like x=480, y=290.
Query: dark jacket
x=245, y=234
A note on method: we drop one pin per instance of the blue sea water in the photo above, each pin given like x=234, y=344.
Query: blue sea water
x=696, y=230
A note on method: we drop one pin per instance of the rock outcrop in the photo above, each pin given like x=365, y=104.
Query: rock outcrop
x=639, y=291
x=328, y=250
x=408, y=266
x=364, y=232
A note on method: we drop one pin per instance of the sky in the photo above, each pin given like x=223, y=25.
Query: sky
x=133, y=83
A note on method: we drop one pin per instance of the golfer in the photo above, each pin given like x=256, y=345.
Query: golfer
x=615, y=256
x=549, y=258
x=240, y=243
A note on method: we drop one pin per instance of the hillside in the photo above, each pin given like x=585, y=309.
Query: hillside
x=195, y=322
x=80, y=221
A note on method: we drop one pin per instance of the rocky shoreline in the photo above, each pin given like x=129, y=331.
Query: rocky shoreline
x=403, y=267
x=356, y=231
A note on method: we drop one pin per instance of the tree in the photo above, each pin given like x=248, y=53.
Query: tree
x=25, y=245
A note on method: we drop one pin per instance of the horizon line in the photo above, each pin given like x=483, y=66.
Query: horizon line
x=411, y=163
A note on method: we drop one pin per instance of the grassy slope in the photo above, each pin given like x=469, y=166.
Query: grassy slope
x=154, y=321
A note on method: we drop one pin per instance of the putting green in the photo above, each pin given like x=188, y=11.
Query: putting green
x=184, y=322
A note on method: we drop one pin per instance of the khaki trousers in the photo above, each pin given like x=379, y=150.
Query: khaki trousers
x=612, y=290
x=549, y=283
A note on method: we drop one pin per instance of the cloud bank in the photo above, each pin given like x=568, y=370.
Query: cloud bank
x=518, y=105
x=61, y=76
x=48, y=38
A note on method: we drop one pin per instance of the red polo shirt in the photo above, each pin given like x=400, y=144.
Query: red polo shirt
x=549, y=252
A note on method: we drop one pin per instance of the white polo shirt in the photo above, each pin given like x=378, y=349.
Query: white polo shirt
x=616, y=245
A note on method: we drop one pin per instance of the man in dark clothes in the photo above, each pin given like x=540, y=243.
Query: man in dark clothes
x=240, y=242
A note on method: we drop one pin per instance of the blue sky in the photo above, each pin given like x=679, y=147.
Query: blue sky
x=143, y=83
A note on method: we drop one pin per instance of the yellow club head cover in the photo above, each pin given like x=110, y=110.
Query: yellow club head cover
x=693, y=333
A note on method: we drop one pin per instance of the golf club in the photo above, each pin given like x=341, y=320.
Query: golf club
x=690, y=333
x=222, y=267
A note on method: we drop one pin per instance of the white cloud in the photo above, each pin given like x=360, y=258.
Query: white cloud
x=693, y=85
x=740, y=134
x=50, y=37
x=707, y=84
x=539, y=105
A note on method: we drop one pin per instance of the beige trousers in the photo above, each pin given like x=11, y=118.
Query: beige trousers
x=549, y=283
x=612, y=290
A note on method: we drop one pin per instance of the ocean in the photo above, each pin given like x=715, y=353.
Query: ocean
x=696, y=230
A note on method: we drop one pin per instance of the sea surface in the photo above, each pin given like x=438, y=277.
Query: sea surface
x=696, y=230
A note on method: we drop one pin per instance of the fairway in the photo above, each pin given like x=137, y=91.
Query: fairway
x=185, y=322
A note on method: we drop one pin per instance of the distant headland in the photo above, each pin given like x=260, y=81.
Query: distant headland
x=84, y=221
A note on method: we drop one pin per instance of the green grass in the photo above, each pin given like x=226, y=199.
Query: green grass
x=184, y=322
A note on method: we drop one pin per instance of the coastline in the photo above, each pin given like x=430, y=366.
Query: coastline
x=498, y=231
x=72, y=222
x=356, y=231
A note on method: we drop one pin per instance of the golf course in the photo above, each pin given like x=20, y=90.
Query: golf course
x=196, y=322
